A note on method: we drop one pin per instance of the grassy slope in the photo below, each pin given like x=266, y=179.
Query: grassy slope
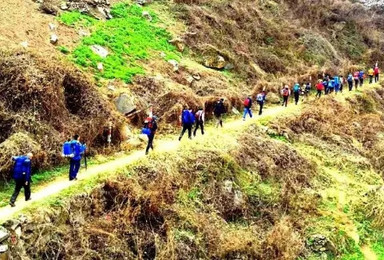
x=341, y=179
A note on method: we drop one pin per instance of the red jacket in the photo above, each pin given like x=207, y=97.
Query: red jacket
x=319, y=86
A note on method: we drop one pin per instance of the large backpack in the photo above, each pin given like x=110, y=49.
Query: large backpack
x=260, y=97
x=377, y=70
x=247, y=101
x=67, y=149
x=350, y=78
x=285, y=92
x=296, y=88
x=185, y=117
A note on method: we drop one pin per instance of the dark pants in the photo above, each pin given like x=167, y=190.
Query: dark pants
x=151, y=136
x=27, y=190
x=261, y=104
x=285, y=100
x=361, y=82
x=319, y=92
x=370, y=79
x=341, y=87
x=356, y=83
x=376, y=77
x=350, y=85
x=297, y=97
x=199, y=124
x=326, y=90
x=74, y=168
x=185, y=128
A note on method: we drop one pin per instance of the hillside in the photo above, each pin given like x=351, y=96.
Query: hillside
x=298, y=183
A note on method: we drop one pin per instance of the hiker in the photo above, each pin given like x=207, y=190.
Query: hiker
x=150, y=128
x=78, y=150
x=350, y=81
x=325, y=84
x=200, y=118
x=22, y=177
x=361, y=77
x=260, y=98
x=285, y=92
x=319, y=88
x=187, y=120
x=296, y=92
x=342, y=82
x=331, y=85
x=307, y=89
x=356, y=78
x=247, y=107
x=218, y=112
x=336, y=81
x=377, y=73
x=371, y=73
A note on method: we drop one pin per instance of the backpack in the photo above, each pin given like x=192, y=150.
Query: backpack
x=185, y=117
x=246, y=102
x=296, y=88
x=356, y=75
x=199, y=115
x=67, y=149
x=20, y=167
x=376, y=70
x=350, y=77
x=260, y=97
x=285, y=92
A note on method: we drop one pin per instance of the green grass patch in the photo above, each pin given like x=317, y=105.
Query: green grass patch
x=129, y=37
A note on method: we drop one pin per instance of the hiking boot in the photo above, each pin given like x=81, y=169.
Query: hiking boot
x=12, y=204
x=28, y=199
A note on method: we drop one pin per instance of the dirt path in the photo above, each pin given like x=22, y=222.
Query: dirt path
x=62, y=183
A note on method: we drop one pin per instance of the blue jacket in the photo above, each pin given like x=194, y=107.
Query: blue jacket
x=337, y=80
x=187, y=117
x=361, y=74
x=22, y=168
x=77, y=149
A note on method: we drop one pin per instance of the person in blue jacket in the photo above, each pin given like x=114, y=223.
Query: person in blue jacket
x=78, y=150
x=22, y=177
x=361, y=77
x=187, y=120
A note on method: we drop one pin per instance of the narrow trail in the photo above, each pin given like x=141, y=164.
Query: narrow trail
x=62, y=183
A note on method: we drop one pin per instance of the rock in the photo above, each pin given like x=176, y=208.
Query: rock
x=273, y=98
x=196, y=76
x=52, y=27
x=4, y=234
x=100, y=66
x=147, y=15
x=319, y=244
x=84, y=33
x=238, y=198
x=141, y=2
x=125, y=104
x=228, y=186
x=23, y=219
x=178, y=43
x=48, y=8
x=162, y=55
x=175, y=64
x=106, y=12
x=54, y=39
x=64, y=6
x=99, y=50
x=18, y=231
x=3, y=249
x=215, y=62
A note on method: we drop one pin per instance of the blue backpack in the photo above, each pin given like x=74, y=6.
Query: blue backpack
x=185, y=117
x=22, y=165
x=350, y=78
x=67, y=149
x=296, y=88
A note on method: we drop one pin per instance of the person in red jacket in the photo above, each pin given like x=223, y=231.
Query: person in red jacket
x=285, y=92
x=376, y=73
x=319, y=88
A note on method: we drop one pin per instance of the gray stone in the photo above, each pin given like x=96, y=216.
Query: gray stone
x=228, y=186
x=3, y=249
x=64, y=6
x=238, y=198
x=125, y=104
x=215, y=62
x=147, y=15
x=141, y=2
x=175, y=65
x=4, y=234
x=99, y=50
x=54, y=39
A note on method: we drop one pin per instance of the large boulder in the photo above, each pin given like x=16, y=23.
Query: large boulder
x=125, y=104
x=215, y=62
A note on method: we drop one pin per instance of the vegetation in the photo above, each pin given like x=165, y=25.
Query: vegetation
x=129, y=38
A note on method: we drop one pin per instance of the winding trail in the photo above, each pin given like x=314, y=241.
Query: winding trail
x=61, y=183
